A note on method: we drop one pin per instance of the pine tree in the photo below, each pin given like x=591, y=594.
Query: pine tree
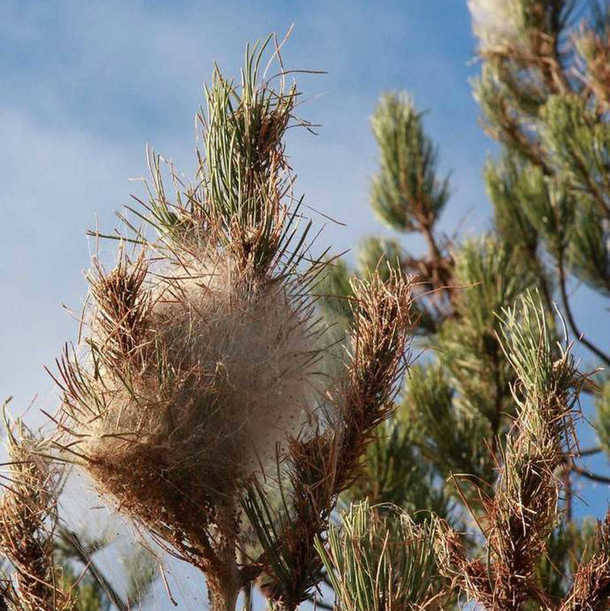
x=484, y=440
x=254, y=407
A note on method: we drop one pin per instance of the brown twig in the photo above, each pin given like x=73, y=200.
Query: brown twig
x=595, y=477
x=569, y=316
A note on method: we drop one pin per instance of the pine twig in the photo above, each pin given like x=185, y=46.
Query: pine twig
x=595, y=477
x=570, y=317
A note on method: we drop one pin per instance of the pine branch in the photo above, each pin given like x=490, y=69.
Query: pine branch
x=73, y=541
x=591, y=586
x=602, y=479
x=521, y=513
x=28, y=517
x=570, y=317
x=323, y=466
x=318, y=604
x=590, y=451
x=218, y=304
x=379, y=560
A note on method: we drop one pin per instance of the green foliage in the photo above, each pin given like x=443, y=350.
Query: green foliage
x=89, y=595
x=380, y=560
x=519, y=513
x=485, y=426
x=569, y=545
x=269, y=517
x=554, y=131
x=550, y=208
x=589, y=249
x=483, y=273
x=467, y=345
x=504, y=180
x=578, y=144
x=335, y=293
x=244, y=166
x=602, y=403
x=242, y=180
x=406, y=193
x=395, y=472
x=448, y=437
x=141, y=573
x=75, y=553
x=380, y=256
x=497, y=102
x=542, y=365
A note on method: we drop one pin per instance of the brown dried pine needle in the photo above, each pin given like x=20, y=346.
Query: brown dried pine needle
x=28, y=516
x=591, y=588
x=195, y=379
x=521, y=513
x=199, y=368
x=323, y=466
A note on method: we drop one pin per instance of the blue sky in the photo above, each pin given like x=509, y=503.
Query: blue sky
x=86, y=85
